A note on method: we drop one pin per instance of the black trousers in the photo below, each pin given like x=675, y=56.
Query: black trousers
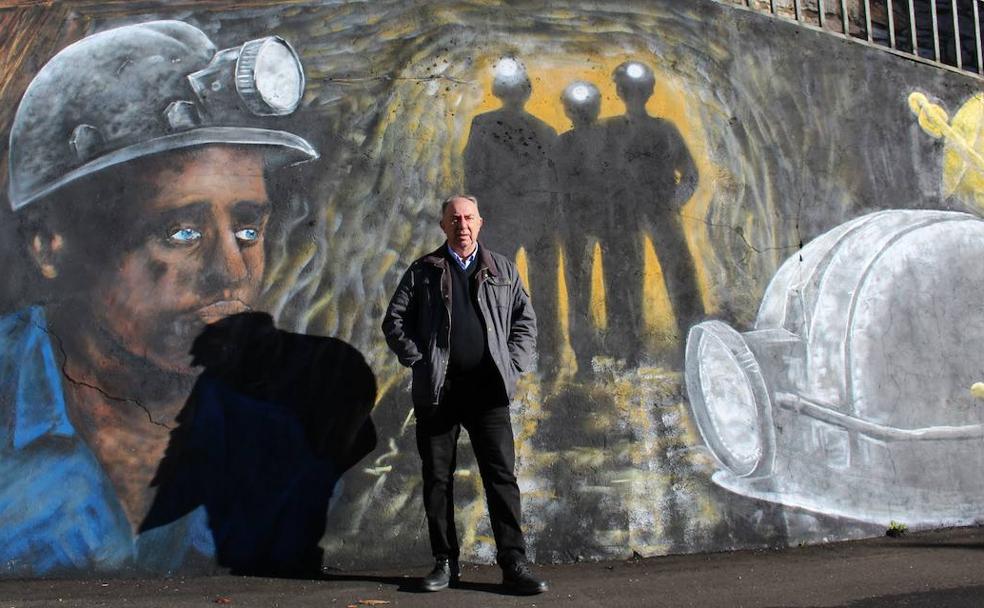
x=485, y=415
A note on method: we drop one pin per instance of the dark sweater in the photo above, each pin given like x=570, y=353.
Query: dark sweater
x=468, y=339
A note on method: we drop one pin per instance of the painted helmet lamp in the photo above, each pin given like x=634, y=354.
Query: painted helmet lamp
x=143, y=89
x=855, y=382
x=265, y=74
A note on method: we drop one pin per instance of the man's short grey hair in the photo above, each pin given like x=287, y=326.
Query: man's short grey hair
x=447, y=201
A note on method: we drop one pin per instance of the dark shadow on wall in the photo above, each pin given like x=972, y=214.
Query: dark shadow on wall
x=271, y=425
x=508, y=168
x=614, y=183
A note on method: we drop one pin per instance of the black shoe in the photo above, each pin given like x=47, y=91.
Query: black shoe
x=518, y=578
x=445, y=572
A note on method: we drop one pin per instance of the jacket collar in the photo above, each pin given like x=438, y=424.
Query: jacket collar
x=484, y=259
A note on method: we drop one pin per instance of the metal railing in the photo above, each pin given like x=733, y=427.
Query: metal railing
x=946, y=33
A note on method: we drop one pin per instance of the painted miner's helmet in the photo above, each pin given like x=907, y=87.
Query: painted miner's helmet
x=582, y=100
x=510, y=79
x=853, y=395
x=634, y=77
x=144, y=89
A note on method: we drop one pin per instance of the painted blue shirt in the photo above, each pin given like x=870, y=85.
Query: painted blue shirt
x=245, y=482
x=58, y=510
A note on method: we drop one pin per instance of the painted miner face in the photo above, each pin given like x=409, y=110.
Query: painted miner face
x=195, y=255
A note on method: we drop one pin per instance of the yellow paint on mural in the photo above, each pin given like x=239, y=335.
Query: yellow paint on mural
x=977, y=390
x=657, y=312
x=563, y=301
x=523, y=267
x=963, y=161
x=531, y=412
x=599, y=305
x=568, y=360
x=671, y=100
x=932, y=118
x=288, y=266
x=385, y=384
x=963, y=165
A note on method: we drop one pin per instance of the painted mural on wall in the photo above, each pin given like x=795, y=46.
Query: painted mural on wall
x=150, y=418
x=824, y=406
x=204, y=230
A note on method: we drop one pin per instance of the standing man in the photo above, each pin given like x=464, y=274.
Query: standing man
x=462, y=321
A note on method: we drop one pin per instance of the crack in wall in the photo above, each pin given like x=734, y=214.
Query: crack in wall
x=77, y=382
x=741, y=234
x=387, y=77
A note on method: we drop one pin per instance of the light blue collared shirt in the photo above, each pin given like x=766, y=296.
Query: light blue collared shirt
x=463, y=263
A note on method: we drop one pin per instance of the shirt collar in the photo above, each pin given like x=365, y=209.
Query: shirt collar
x=34, y=380
x=462, y=263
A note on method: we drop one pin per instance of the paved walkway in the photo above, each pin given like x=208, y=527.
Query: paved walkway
x=933, y=569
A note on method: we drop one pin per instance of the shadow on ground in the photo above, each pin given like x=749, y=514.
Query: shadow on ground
x=408, y=584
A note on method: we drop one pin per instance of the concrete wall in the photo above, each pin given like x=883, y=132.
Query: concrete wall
x=840, y=400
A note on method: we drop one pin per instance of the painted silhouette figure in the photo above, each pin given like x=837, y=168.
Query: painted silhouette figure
x=580, y=166
x=508, y=168
x=654, y=175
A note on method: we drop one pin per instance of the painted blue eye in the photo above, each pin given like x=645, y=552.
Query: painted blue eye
x=185, y=235
x=248, y=234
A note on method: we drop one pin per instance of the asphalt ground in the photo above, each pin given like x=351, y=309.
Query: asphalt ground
x=942, y=568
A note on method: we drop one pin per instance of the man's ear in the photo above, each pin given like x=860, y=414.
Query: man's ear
x=46, y=250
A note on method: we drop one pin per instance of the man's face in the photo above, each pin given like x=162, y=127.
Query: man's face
x=195, y=256
x=461, y=224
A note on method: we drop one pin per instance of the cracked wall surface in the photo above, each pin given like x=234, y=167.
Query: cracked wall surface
x=657, y=212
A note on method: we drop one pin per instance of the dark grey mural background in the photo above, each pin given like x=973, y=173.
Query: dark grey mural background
x=792, y=133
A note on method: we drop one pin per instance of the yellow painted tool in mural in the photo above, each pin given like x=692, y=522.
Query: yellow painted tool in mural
x=963, y=162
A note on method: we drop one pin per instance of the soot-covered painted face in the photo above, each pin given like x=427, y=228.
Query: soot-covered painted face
x=195, y=256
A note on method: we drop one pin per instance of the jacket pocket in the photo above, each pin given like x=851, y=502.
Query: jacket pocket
x=500, y=292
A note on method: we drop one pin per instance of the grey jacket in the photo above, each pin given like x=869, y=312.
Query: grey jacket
x=417, y=324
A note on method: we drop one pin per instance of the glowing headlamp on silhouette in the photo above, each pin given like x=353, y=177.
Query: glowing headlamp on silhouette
x=635, y=70
x=580, y=93
x=509, y=75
